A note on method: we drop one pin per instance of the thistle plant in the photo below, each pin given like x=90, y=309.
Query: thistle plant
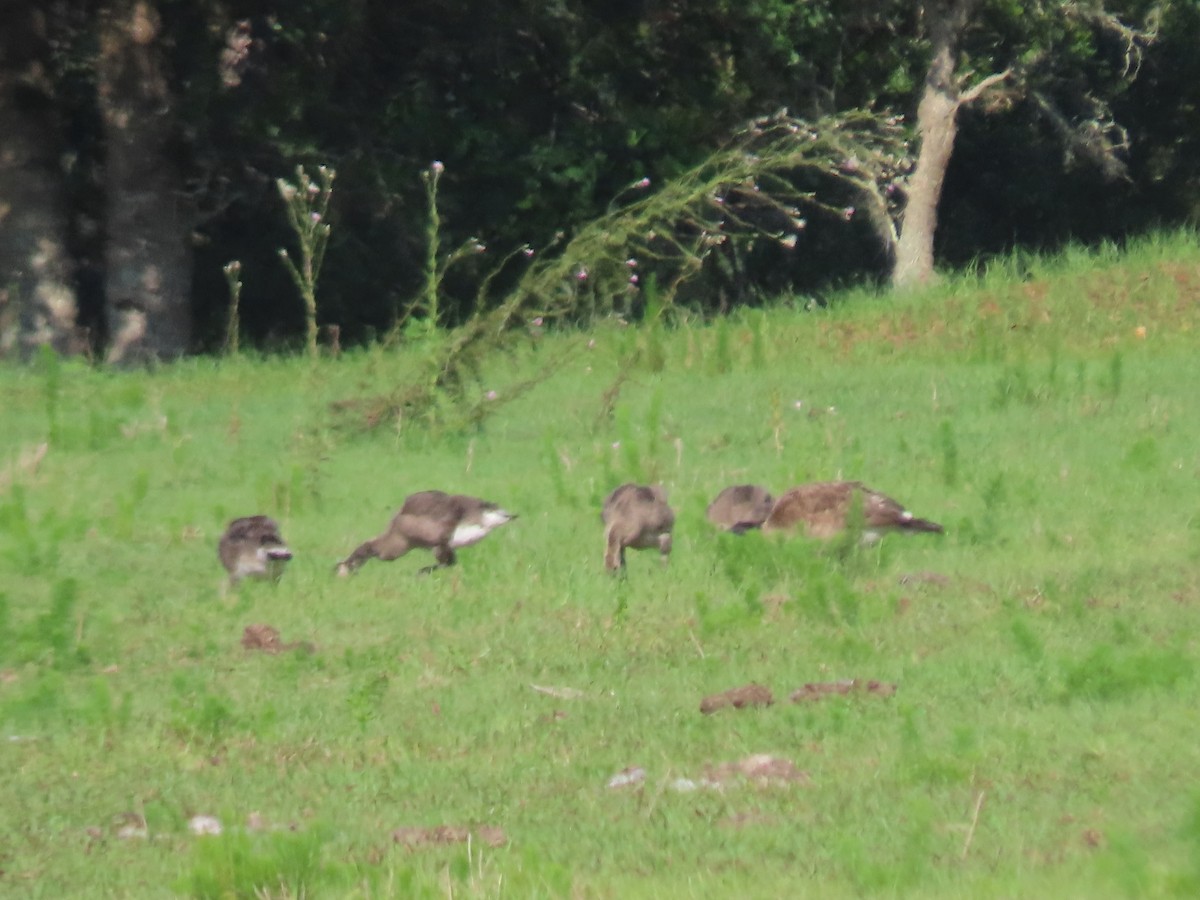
x=428, y=301
x=763, y=184
x=233, y=277
x=307, y=204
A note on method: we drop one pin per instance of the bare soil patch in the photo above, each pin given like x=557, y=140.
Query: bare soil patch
x=417, y=837
x=818, y=690
x=748, y=695
x=267, y=639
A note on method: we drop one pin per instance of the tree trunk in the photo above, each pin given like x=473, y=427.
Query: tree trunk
x=37, y=294
x=149, y=220
x=937, y=127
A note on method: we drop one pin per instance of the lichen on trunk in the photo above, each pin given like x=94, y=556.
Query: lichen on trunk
x=149, y=218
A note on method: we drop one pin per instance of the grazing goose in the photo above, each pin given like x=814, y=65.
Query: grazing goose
x=432, y=520
x=740, y=508
x=252, y=547
x=637, y=516
x=823, y=510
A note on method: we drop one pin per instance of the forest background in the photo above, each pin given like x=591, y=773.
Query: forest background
x=145, y=143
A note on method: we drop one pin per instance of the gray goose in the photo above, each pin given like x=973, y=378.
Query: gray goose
x=740, y=508
x=252, y=547
x=431, y=520
x=823, y=509
x=637, y=516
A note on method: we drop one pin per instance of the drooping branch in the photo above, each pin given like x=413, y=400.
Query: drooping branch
x=763, y=183
x=1136, y=40
x=1099, y=140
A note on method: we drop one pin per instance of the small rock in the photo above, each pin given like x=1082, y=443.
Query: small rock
x=627, y=777
x=202, y=825
x=687, y=785
x=131, y=826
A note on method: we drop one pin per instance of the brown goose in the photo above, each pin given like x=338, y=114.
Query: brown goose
x=637, y=516
x=740, y=508
x=252, y=547
x=823, y=509
x=431, y=520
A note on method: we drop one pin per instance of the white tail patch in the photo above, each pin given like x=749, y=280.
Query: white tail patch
x=465, y=535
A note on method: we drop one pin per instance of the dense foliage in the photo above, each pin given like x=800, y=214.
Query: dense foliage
x=543, y=112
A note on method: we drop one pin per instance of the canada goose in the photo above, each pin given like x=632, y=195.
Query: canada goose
x=824, y=509
x=637, y=516
x=433, y=520
x=740, y=508
x=252, y=547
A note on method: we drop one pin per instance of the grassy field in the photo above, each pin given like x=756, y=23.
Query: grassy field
x=1040, y=741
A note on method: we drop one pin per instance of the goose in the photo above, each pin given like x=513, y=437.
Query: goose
x=431, y=520
x=823, y=509
x=252, y=547
x=740, y=508
x=638, y=516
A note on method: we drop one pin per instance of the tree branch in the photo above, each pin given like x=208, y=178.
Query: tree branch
x=970, y=96
x=1090, y=140
x=1135, y=40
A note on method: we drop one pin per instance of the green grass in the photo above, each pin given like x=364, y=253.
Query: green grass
x=1046, y=655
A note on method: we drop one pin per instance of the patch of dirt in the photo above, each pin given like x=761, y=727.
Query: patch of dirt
x=25, y=464
x=773, y=605
x=129, y=826
x=820, y=689
x=747, y=695
x=741, y=820
x=416, y=837
x=759, y=770
x=267, y=639
x=934, y=578
x=256, y=821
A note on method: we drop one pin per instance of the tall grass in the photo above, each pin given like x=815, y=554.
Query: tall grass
x=1039, y=742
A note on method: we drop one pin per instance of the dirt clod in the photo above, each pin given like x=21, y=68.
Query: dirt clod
x=820, y=689
x=267, y=639
x=739, y=698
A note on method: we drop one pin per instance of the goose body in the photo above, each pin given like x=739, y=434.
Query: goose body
x=824, y=509
x=637, y=516
x=740, y=508
x=252, y=547
x=431, y=520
